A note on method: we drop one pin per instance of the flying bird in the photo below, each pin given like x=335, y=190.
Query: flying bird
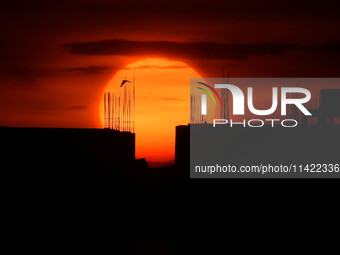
x=123, y=82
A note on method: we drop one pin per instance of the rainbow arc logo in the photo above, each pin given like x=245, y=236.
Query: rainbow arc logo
x=209, y=93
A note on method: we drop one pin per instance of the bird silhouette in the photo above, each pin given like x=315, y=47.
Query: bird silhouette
x=123, y=82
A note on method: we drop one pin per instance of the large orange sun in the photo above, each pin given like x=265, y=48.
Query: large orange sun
x=162, y=102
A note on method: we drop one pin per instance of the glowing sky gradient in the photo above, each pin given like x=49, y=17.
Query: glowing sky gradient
x=57, y=57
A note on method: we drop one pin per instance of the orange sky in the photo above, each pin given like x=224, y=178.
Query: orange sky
x=57, y=57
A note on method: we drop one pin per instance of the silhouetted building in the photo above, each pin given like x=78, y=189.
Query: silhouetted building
x=182, y=146
x=69, y=151
x=329, y=107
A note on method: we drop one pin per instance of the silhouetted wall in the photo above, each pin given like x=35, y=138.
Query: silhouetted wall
x=182, y=147
x=66, y=150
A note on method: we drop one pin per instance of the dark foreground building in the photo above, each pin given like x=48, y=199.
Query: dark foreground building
x=72, y=154
x=66, y=151
x=182, y=147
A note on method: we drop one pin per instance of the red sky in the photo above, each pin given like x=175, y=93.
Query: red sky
x=56, y=57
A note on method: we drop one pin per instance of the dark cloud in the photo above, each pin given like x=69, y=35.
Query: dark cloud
x=170, y=99
x=49, y=107
x=157, y=67
x=77, y=107
x=201, y=50
x=89, y=69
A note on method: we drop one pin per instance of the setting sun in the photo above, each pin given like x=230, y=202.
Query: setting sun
x=162, y=102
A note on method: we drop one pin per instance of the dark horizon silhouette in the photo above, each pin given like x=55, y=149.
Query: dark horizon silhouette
x=107, y=153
